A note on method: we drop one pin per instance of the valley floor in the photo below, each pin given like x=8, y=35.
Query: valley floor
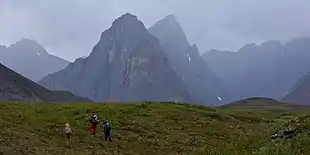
x=150, y=128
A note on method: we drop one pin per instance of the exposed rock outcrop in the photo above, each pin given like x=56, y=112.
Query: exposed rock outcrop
x=205, y=87
x=127, y=64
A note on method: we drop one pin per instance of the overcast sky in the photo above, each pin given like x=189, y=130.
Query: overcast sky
x=70, y=28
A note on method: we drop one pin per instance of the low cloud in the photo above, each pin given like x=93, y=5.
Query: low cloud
x=71, y=28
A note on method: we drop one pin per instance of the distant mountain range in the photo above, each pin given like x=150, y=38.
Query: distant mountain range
x=14, y=87
x=30, y=59
x=267, y=70
x=127, y=64
x=131, y=63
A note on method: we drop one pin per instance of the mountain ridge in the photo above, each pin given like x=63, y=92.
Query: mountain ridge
x=39, y=62
x=15, y=87
x=269, y=70
x=203, y=85
x=300, y=92
x=127, y=64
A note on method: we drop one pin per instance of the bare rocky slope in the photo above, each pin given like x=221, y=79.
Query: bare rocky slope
x=203, y=84
x=300, y=93
x=14, y=87
x=127, y=64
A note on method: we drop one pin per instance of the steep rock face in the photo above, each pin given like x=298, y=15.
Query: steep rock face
x=300, y=93
x=14, y=87
x=203, y=85
x=267, y=70
x=127, y=64
x=295, y=63
x=38, y=62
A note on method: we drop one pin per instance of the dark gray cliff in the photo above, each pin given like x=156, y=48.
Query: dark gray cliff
x=15, y=87
x=127, y=64
x=204, y=86
x=300, y=93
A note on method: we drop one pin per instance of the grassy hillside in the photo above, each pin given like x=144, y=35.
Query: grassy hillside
x=144, y=128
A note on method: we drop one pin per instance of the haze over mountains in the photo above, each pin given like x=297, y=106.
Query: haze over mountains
x=127, y=64
x=267, y=70
x=254, y=71
x=131, y=63
x=202, y=84
x=30, y=59
x=300, y=93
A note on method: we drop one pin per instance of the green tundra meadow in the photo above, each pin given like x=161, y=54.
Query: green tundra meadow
x=154, y=128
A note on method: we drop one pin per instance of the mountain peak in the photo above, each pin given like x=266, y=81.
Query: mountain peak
x=170, y=25
x=30, y=52
x=26, y=41
x=124, y=27
x=29, y=45
x=127, y=20
x=129, y=15
x=171, y=18
x=249, y=48
x=126, y=16
x=170, y=22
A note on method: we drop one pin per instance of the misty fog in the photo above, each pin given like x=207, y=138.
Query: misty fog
x=69, y=29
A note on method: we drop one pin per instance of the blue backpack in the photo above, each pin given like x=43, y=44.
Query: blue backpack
x=107, y=126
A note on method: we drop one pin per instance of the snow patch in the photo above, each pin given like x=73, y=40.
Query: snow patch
x=188, y=57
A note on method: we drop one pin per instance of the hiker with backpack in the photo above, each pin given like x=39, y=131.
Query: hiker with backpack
x=94, y=120
x=106, y=127
x=68, y=133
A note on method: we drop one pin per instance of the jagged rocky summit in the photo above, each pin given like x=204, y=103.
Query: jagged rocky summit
x=28, y=58
x=203, y=85
x=127, y=64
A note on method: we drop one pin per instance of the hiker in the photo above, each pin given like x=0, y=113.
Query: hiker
x=94, y=120
x=68, y=132
x=106, y=127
